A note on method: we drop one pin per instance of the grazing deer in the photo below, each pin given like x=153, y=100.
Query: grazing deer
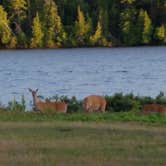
x=94, y=103
x=47, y=105
x=158, y=108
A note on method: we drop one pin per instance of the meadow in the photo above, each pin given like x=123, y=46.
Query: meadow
x=81, y=143
x=120, y=136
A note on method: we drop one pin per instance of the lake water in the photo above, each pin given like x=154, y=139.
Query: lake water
x=84, y=71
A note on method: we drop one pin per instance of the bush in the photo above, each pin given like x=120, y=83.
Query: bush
x=119, y=102
x=17, y=106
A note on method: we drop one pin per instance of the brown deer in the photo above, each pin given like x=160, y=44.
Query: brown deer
x=94, y=103
x=158, y=108
x=42, y=106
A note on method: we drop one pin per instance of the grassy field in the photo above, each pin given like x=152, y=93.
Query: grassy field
x=64, y=143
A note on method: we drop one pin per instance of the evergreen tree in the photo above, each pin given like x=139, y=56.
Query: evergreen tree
x=144, y=26
x=54, y=35
x=94, y=39
x=5, y=31
x=17, y=15
x=125, y=22
x=147, y=29
x=160, y=34
x=82, y=28
x=127, y=25
x=18, y=8
x=98, y=38
x=37, y=34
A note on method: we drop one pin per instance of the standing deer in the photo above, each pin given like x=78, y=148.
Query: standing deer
x=42, y=106
x=158, y=108
x=94, y=103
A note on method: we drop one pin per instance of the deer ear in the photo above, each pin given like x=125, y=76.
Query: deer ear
x=30, y=89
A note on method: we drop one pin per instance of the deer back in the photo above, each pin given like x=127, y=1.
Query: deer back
x=56, y=107
x=94, y=103
x=158, y=108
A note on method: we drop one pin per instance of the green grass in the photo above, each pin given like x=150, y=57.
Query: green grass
x=81, y=143
x=92, y=117
x=117, y=138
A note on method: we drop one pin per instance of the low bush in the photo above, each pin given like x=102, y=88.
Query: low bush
x=17, y=106
x=119, y=102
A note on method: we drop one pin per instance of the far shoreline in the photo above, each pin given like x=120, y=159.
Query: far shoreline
x=74, y=48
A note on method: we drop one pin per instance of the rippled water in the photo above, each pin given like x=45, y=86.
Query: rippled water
x=79, y=72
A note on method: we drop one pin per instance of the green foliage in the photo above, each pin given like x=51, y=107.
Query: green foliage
x=160, y=34
x=128, y=27
x=5, y=31
x=82, y=27
x=18, y=8
x=119, y=102
x=73, y=23
x=54, y=34
x=37, y=34
x=17, y=106
x=97, y=38
x=147, y=28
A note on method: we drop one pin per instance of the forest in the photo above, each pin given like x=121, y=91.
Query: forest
x=81, y=23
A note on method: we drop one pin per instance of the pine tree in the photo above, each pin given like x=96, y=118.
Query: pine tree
x=18, y=8
x=127, y=26
x=17, y=15
x=5, y=31
x=82, y=28
x=98, y=38
x=37, y=34
x=147, y=30
x=104, y=22
x=94, y=39
x=54, y=34
x=160, y=34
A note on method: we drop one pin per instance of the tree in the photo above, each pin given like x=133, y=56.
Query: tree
x=5, y=31
x=18, y=8
x=97, y=38
x=94, y=39
x=144, y=27
x=17, y=15
x=54, y=34
x=147, y=30
x=82, y=28
x=37, y=34
x=127, y=26
x=160, y=34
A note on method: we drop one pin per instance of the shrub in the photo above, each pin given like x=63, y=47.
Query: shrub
x=119, y=102
x=17, y=106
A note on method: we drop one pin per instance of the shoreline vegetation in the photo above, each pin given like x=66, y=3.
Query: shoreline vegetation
x=120, y=107
x=74, y=24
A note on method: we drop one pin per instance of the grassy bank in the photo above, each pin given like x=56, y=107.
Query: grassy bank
x=78, y=143
x=120, y=107
x=131, y=116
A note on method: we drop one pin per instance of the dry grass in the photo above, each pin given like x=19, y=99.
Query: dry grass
x=85, y=144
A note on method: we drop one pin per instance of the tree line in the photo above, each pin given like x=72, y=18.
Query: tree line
x=81, y=23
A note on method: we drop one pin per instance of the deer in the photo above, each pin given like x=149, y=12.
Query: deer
x=158, y=108
x=94, y=103
x=42, y=106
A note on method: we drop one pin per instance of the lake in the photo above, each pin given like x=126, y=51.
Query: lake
x=83, y=71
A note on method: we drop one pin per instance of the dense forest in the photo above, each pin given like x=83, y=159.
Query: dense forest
x=81, y=23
